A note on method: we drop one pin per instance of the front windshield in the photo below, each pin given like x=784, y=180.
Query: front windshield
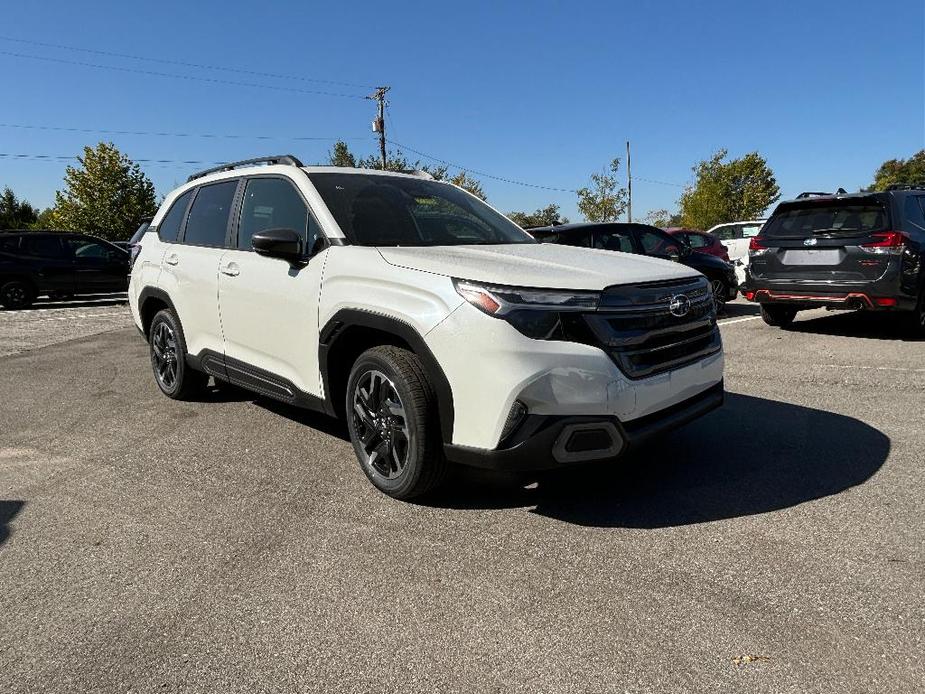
x=376, y=210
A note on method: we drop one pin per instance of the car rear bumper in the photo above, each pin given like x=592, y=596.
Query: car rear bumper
x=544, y=442
x=879, y=295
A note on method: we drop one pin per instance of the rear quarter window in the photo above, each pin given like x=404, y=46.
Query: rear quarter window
x=169, y=228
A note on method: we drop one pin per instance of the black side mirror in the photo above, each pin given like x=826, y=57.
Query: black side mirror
x=686, y=250
x=279, y=243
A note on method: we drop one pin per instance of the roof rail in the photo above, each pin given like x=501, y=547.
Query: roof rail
x=817, y=194
x=230, y=166
x=906, y=186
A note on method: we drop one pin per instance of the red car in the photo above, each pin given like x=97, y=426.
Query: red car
x=701, y=241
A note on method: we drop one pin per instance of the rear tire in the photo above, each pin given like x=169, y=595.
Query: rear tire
x=168, y=359
x=16, y=294
x=394, y=424
x=916, y=319
x=778, y=316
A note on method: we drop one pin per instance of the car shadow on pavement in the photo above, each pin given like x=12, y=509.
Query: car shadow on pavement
x=739, y=310
x=876, y=326
x=751, y=456
x=8, y=511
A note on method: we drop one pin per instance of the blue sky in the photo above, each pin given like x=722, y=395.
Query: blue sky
x=545, y=92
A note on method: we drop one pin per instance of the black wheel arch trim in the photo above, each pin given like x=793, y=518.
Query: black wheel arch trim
x=155, y=293
x=345, y=318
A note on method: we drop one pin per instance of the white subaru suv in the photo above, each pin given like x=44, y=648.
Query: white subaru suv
x=441, y=331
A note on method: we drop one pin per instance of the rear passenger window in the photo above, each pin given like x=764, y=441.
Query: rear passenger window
x=42, y=246
x=169, y=228
x=208, y=217
x=273, y=203
x=725, y=233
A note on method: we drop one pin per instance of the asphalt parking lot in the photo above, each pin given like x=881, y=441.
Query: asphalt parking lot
x=233, y=545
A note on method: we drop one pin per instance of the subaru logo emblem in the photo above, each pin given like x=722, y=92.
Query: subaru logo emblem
x=679, y=305
x=810, y=242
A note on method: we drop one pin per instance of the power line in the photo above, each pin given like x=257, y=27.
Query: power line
x=211, y=80
x=181, y=63
x=479, y=173
x=69, y=157
x=101, y=131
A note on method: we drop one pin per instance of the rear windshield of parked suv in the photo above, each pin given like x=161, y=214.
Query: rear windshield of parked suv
x=830, y=217
x=376, y=210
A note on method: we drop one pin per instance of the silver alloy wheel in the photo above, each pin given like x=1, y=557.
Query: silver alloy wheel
x=380, y=424
x=164, y=355
x=719, y=293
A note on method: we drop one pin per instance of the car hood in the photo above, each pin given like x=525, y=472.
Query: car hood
x=536, y=265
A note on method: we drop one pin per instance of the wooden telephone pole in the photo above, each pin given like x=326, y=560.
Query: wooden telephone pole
x=629, y=186
x=379, y=124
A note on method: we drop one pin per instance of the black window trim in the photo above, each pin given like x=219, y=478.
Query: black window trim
x=181, y=236
x=238, y=209
x=182, y=228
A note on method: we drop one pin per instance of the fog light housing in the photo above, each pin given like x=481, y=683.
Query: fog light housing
x=514, y=419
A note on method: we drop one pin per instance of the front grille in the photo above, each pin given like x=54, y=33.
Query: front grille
x=636, y=328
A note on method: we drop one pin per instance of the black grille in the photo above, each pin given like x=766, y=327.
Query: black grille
x=636, y=328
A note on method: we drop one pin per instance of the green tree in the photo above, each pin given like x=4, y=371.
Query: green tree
x=340, y=155
x=662, y=218
x=45, y=220
x=603, y=200
x=545, y=216
x=726, y=191
x=15, y=213
x=467, y=182
x=899, y=171
x=107, y=194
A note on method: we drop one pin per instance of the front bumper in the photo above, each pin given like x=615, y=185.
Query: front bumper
x=544, y=442
x=490, y=366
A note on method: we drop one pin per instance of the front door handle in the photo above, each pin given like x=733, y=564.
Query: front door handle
x=172, y=259
x=231, y=269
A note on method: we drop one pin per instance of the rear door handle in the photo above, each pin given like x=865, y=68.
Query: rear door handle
x=172, y=259
x=231, y=269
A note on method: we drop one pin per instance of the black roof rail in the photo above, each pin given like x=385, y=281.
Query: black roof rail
x=906, y=186
x=817, y=194
x=277, y=159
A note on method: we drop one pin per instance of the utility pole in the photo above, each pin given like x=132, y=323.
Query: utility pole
x=629, y=185
x=379, y=124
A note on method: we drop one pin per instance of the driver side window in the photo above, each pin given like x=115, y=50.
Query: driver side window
x=654, y=243
x=85, y=250
x=273, y=203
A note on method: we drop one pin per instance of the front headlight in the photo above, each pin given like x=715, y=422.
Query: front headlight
x=500, y=301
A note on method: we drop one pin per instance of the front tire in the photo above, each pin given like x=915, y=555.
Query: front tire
x=16, y=294
x=394, y=424
x=720, y=294
x=168, y=359
x=778, y=316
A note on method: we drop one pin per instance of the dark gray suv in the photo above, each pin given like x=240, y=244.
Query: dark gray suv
x=842, y=251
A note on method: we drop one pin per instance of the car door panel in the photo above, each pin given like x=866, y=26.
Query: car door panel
x=98, y=268
x=49, y=263
x=269, y=315
x=269, y=306
x=190, y=270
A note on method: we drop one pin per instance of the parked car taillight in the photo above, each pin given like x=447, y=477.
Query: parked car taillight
x=755, y=247
x=887, y=243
